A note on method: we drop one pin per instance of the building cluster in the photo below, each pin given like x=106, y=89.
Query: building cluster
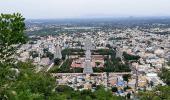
x=41, y=52
x=153, y=50
x=80, y=81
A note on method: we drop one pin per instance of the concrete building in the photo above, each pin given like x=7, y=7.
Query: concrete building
x=87, y=64
x=57, y=53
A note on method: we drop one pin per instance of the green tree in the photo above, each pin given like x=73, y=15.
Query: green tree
x=57, y=61
x=114, y=89
x=97, y=63
x=168, y=63
x=147, y=95
x=163, y=92
x=102, y=94
x=165, y=75
x=158, y=93
x=126, y=77
x=128, y=95
x=34, y=54
x=130, y=57
x=109, y=46
x=12, y=35
x=28, y=85
x=50, y=55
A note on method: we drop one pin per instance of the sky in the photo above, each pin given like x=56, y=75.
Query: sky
x=46, y=9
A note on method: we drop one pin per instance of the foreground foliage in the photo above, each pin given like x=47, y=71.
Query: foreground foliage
x=24, y=83
x=29, y=85
x=165, y=75
x=159, y=92
x=67, y=93
x=12, y=35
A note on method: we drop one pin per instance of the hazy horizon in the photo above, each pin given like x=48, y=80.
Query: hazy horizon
x=68, y=9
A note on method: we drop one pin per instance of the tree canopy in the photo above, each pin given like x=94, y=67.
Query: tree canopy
x=12, y=28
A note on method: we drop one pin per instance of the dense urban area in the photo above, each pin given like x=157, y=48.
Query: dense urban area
x=84, y=59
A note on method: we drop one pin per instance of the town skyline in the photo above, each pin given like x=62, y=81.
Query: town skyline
x=85, y=50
